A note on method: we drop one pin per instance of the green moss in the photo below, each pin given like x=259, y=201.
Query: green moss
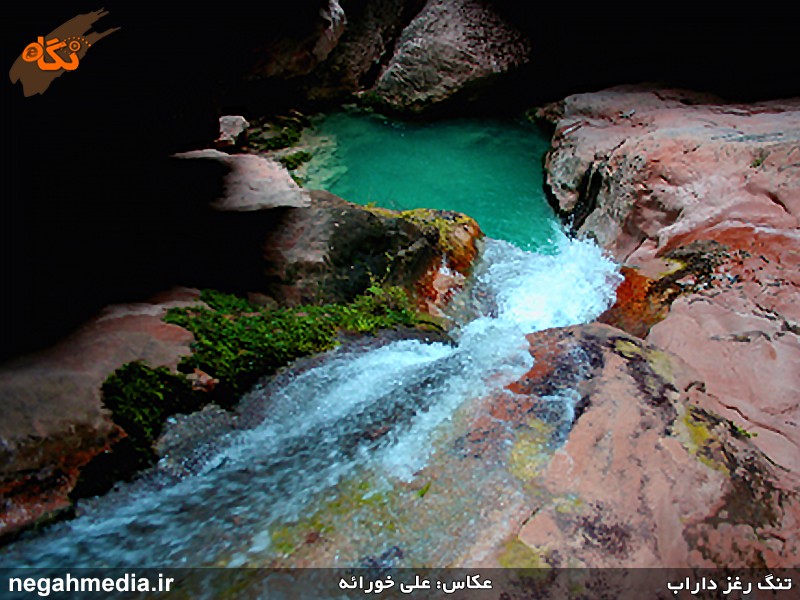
x=294, y=160
x=424, y=490
x=443, y=226
x=140, y=399
x=238, y=342
x=279, y=132
x=444, y=222
x=759, y=158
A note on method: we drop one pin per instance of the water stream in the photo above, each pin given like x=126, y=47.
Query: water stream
x=365, y=456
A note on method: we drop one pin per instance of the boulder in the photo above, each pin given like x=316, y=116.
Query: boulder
x=333, y=250
x=451, y=46
x=365, y=47
x=296, y=53
x=326, y=250
x=232, y=132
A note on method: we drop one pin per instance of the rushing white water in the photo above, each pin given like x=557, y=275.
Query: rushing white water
x=382, y=410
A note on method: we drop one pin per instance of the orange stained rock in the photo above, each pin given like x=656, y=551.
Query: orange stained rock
x=637, y=307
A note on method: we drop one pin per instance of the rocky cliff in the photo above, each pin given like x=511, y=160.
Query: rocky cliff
x=703, y=198
x=686, y=450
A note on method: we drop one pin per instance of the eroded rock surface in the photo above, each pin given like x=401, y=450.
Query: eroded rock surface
x=643, y=168
x=703, y=197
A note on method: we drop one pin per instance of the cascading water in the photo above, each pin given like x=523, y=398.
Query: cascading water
x=360, y=458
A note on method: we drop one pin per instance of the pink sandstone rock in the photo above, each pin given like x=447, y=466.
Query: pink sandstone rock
x=53, y=418
x=650, y=476
x=671, y=168
x=700, y=199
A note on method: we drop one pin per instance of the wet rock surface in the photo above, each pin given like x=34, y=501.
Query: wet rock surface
x=328, y=250
x=650, y=475
x=701, y=197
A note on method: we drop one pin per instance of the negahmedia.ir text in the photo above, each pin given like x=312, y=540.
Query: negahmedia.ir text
x=129, y=582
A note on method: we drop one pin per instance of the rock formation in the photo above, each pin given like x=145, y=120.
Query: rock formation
x=54, y=422
x=685, y=451
x=289, y=56
x=365, y=47
x=703, y=197
x=650, y=475
x=335, y=249
x=317, y=248
x=251, y=183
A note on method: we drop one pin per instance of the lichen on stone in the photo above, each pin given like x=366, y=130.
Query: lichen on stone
x=702, y=441
x=532, y=450
x=454, y=232
x=517, y=555
x=652, y=372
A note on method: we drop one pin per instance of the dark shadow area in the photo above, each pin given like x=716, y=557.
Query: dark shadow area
x=93, y=212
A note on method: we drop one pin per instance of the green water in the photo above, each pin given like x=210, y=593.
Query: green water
x=488, y=169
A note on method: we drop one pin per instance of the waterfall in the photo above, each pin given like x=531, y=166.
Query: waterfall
x=345, y=441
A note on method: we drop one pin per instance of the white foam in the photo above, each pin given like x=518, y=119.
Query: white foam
x=540, y=291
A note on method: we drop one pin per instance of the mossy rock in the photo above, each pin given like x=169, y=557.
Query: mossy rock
x=455, y=233
x=295, y=160
x=236, y=343
x=278, y=132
